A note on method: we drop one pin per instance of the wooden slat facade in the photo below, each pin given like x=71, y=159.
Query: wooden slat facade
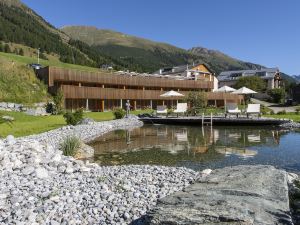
x=60, y=74
x=105, y=90
x=75, y=92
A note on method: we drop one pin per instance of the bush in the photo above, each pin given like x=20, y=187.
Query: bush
x=283, y=112
x=277, y=95
x=170, y=111
x=70, y=145
x=297, y=110
x=119, y=113
x=74, y=118
x=50, y=108
x=272, y=112
x=254, y=83
x=58, y=100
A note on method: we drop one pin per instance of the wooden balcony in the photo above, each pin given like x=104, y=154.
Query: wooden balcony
x=53, y=74
x=75, y=92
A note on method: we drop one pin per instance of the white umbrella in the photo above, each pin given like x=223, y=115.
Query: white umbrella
x=172, y=94
x=225, y=89
x=244, y=91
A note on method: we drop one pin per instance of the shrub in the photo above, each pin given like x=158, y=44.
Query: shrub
x=119, y=113
x=70, y=145
x=254, y=83
x=50, y=108
x=170, y=111
x=277, y=95
x=74, y=118
x=297, y=110
x=58, y=100
x=283, y=112
x=272, y=112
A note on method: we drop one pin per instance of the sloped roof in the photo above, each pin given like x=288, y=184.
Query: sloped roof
x=226, y=75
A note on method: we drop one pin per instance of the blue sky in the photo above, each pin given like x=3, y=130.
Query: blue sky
x=259, y=31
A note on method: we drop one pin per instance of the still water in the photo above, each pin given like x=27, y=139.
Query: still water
x=200, y=148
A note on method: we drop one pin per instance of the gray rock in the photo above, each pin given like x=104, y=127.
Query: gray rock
x=86, y=121
x=10, y=140
x=236, y=195
x=28, y=170
x=41, y=173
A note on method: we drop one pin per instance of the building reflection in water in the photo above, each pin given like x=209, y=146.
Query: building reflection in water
x=169, y=144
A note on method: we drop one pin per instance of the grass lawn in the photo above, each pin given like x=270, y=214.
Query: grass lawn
x=27, y=60
x=291, y=116
x=26, y=125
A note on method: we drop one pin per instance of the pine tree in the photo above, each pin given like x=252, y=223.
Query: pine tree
x=7, y=48
x=21, y=52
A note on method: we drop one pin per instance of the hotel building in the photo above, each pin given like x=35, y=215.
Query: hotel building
x=103, y=91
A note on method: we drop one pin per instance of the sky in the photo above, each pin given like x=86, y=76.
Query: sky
x=266, y=32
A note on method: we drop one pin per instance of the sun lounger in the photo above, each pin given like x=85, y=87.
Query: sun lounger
x=161, y=109
x=232, y=109
x=181, y=108
x=253, y=109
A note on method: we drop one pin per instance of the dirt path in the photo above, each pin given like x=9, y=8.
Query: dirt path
x=276, y=108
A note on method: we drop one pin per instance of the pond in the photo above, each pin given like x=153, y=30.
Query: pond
x=199, y=147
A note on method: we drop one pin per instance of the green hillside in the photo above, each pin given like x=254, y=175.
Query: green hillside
x=19, y=84
x=220, y=61
x=131, y=52
x=21, y=25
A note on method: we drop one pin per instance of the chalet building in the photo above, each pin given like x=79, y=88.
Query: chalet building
x=102, y=91
x=192, y=72
x=270, y=75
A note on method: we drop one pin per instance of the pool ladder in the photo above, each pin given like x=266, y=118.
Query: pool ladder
x=207, y=121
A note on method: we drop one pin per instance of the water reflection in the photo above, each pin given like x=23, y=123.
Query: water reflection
x=194, y=147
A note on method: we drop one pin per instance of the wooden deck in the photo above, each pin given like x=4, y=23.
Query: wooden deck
x=243, y=121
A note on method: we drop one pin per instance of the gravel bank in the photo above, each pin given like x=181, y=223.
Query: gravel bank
x=290, y=125
x=41, y=186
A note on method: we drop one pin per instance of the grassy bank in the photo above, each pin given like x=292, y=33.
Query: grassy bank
x=53, y=61
x=26, y=125
x=292, y=116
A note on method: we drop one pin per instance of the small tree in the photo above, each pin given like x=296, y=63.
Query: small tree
x=21, y=52
x=7, y=48
x=58, y=100
x=277, y=95
x=197, y=101
x=254, y=83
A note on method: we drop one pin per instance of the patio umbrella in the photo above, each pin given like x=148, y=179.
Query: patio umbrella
x=172, y=94
x=244, y=91
x=225, y=89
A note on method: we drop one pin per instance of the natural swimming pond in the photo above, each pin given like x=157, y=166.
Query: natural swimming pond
x=200, y=147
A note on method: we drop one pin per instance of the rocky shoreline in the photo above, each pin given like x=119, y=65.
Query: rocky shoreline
x=41, y=186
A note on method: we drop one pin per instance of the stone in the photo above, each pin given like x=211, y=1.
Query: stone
x=237, y=195
x=41, y=173
x=86, y=121
x=28, y=170
x=10, y=140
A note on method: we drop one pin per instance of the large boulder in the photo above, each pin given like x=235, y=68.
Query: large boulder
x=233, y=195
